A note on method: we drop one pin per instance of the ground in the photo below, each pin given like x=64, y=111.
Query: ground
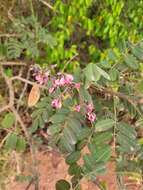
x=52, y=167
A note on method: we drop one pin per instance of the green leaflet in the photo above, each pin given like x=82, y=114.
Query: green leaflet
x=62, y=185
x=131, y=62
x=11, y=141
x=137, y=52
x=8, y=120
x=93, y=73
x=21, y=144
x=58, y=118
x=100, y=153
x=102, y=137
x=104, y=125
x=114, y=74
x=73, y=157
x=126, y=138
x=41, y=114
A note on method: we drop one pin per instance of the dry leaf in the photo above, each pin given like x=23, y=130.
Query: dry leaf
x=34, y=95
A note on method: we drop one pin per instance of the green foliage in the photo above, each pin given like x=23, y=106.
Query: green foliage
x=70, y=132
x=41, y=114
x=94, y=163
x=127, y=139
x=15, y=142
x=62, y=185
x=8, y=120
x=104, y=125
x=78, y=32
x=31, y=36
x=104, y=38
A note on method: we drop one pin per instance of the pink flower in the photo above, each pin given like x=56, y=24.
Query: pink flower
x=89, y=108
x=56, y=103
x=77, y=108
x=91, y=117
x=51, y=90
x=57, y=82
x=77, y=86
x=68, y=79
x=41, y=78
x=62, y=81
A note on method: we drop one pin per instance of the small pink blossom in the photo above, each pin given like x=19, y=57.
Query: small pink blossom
x=68, y=79
x=57, y=82
x=77, y=86
x=77, y=108
x=47, y=73
x=62, y=81
x=91, y=117
x=42, y=79
x=56, y=103
x=51, y=90
x=89, y=108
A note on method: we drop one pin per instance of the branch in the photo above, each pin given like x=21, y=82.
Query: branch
x=8, y=35
x=4, y=108
x=119, y=95
x=28, y=82
x=3, y=140
x=11, y=106
x=68, y=62
x=32, y=149
x=47, y=4
x=3, y=63
x=23, y=91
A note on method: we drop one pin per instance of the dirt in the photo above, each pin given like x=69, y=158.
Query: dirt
x=52, y=167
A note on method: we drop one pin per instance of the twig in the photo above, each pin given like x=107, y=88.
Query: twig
x=23, y=80
x=66, y=64
x=32, y=149
x=98, y=185
x=23, y=91
x=4, y=108
x=18, y=118
x=3, y=140
x=30, y=183
x=28, y=82
x=10, y=16
x=47, y=4
x=4, y=63
x=8, y=35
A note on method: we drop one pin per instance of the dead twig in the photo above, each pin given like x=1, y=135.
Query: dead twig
x=9, y=63
x=28, y=82
x=23, y=91
x=9, y=35
x=11, y=106
x=68, y=62
x=3, y=140
x=4, y=108
x=47, y=4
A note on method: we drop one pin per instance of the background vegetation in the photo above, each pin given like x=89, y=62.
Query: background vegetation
x=100, y=43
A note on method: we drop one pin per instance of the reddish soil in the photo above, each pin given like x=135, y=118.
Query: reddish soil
x=52, y=168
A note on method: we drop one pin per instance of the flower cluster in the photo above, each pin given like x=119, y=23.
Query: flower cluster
x=66, y=83
x=89, y=110
x=40, y=76
x=63, y=81
x=56, y=103
x=91, y=116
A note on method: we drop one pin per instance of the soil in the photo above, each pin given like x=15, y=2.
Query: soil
x=52, y=167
